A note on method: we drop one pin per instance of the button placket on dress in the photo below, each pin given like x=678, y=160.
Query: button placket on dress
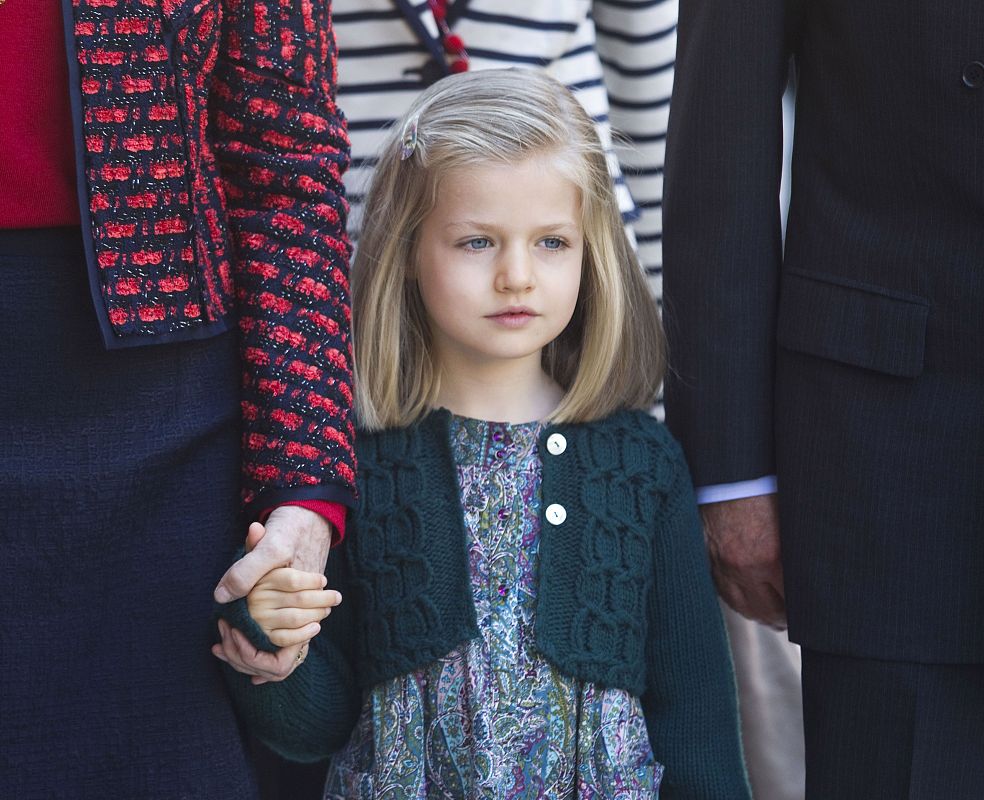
x=501, y=455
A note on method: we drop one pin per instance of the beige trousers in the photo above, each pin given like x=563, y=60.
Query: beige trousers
x=767, y=666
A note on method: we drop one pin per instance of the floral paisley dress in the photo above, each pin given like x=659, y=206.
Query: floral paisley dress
x=493, y=719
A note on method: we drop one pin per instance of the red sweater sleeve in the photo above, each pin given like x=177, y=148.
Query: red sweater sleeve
x=335, y=513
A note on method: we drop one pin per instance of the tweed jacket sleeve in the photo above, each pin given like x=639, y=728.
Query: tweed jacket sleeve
x=281, y=147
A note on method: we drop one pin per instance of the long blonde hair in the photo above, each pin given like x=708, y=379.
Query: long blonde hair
x=610, y=356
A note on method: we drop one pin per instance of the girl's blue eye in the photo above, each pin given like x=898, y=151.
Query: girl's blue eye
x=478, y=243
x=553, y=243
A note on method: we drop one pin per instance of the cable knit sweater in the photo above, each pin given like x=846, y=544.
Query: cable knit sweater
x=625, y=598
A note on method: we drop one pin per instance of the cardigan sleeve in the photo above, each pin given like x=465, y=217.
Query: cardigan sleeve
x=306, y=717
x=690, y=700
x=282, y=147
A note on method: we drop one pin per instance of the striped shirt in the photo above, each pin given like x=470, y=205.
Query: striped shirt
x=615, y=55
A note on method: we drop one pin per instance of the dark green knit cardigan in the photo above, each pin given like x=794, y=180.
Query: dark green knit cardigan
x=624, y=599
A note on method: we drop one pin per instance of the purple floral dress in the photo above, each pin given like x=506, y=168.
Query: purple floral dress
x=493, y=719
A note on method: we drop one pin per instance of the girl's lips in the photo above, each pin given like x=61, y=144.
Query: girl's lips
x=513, y=317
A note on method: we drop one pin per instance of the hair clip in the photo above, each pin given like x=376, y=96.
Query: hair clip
x=409, y=141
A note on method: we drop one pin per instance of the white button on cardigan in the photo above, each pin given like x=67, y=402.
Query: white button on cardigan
x=556, y=444
x=556, y=514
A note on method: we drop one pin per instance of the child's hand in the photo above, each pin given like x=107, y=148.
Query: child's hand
x=289, y=603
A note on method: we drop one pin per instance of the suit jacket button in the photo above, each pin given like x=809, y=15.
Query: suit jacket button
x=556, y=514
x=973, y=75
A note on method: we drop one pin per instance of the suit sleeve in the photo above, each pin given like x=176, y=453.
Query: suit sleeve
x=282, y=148
x=636, y=43
x=722, y=240
x=690, y=701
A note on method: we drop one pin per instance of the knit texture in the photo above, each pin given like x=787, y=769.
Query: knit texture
x=212, y=153
x=625, y=595
x=112, y=464
x=37, y=171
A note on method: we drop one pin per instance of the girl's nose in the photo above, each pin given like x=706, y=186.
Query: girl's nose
x=515, y=272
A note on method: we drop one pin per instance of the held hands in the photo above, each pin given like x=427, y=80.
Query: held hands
x=287, y=604
x=743, y=544
x=293, y=537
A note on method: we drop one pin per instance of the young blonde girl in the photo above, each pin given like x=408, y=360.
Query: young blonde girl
x=528, y=611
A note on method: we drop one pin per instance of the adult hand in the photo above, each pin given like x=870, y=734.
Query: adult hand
x=293, y=537
x=235, y=649
x=312, y=548
x=743, y=543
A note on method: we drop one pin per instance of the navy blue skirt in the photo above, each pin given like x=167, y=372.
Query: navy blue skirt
x=119, y=475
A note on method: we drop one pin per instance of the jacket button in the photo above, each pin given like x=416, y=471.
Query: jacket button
x=556, y=444
x=556, y=514
x=973, y=75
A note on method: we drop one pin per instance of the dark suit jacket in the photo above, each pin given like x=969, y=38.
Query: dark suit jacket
x=853, y=367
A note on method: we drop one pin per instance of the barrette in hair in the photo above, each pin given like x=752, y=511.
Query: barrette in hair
x=409, y=141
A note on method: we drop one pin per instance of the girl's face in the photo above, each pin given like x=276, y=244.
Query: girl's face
x=499, y=263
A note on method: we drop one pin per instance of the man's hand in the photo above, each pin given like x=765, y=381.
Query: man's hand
x=293, y=537
x=743, y=543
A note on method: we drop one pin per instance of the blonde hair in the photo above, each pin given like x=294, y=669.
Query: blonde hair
x=611, y=354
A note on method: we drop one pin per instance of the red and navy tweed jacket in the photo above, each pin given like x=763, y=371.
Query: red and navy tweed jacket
x=210, y=154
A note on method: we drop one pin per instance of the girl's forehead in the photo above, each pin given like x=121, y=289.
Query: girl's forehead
x=533, y=178
x=528, y=193
x=545, y=161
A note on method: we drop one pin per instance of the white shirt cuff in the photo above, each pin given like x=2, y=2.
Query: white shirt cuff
x=720, y=492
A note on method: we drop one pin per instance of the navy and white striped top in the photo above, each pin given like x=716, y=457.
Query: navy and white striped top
x=615, y=55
